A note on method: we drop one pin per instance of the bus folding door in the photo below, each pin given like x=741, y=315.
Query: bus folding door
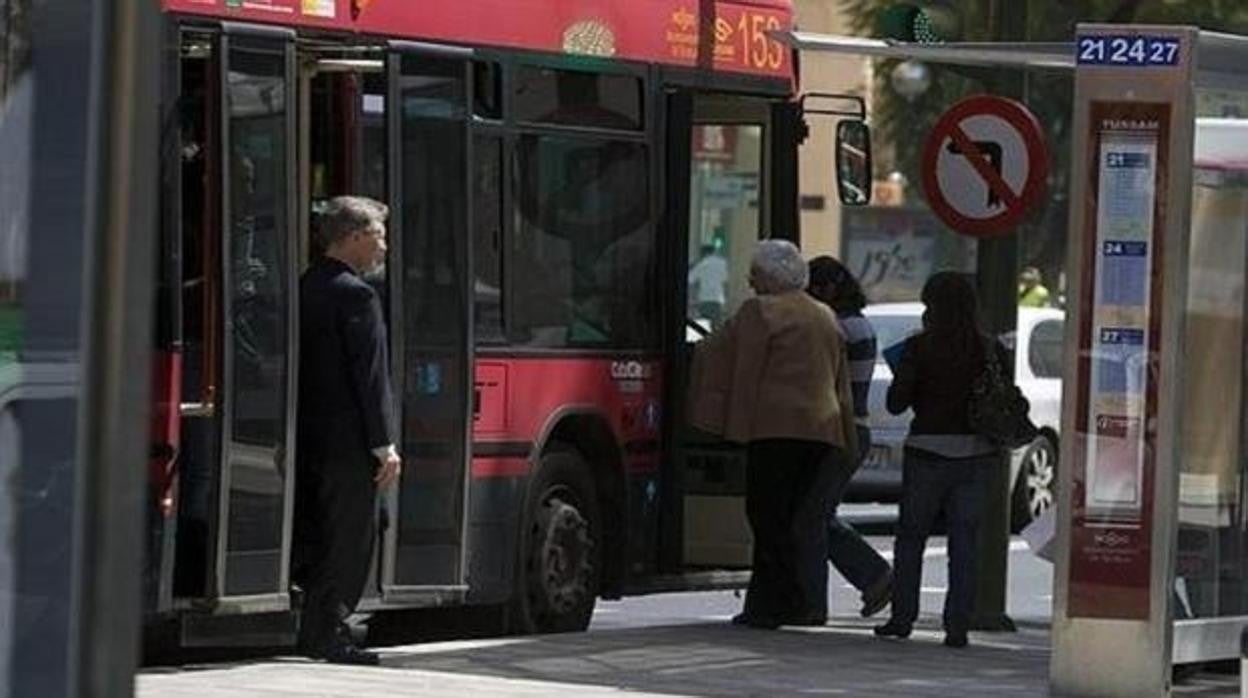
x=258, y=306
x=431, y=319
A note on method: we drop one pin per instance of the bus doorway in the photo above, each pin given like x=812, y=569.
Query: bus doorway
x=721, y=184
x=267, y=129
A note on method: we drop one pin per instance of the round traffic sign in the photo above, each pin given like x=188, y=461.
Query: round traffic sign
x=985, y=165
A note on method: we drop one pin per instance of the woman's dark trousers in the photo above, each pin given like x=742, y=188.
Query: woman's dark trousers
x=786, y=501
x=931, y=484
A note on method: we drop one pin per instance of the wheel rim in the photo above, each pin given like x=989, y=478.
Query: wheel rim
x=1040, y=473
x=561, y=567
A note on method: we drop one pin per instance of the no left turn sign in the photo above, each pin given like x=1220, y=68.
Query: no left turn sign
x=985, y=165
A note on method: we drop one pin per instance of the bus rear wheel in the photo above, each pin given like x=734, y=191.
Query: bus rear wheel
x=557, y=578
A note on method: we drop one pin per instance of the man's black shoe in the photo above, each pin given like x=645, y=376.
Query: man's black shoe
x=892, y=629
x=350, y=654
x=309, y=649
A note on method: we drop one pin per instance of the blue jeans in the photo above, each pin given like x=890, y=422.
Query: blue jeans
x=931, y=484
x=852, y=556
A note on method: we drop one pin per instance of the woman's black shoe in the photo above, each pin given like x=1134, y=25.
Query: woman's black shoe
x=755, y=621
x=892, y=629
x=350, y=654
x=878, y=596
x=955, y=640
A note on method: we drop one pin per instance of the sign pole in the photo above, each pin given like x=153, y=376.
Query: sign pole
x=997, y=285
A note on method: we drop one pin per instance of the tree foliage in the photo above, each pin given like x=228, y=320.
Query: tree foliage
x=898, y=121
x=901, y=126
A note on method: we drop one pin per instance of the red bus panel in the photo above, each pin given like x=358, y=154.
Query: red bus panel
x=518, y=398
x=674, y=32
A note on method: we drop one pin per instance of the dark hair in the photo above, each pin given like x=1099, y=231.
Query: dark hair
x=952, y=314
x=847, y=294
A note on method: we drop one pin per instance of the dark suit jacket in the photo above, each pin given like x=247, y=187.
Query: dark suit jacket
x=346, y=403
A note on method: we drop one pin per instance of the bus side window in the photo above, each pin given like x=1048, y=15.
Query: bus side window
x=584, y=236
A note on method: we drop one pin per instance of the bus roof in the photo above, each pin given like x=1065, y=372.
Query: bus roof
x=674, y=32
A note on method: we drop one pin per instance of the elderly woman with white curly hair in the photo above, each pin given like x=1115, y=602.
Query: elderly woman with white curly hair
x=776, y=379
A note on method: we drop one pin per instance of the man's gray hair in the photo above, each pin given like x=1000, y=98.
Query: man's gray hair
x=779, y=266
x=344, y=215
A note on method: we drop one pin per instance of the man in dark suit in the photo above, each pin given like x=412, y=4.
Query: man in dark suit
x=346, y=426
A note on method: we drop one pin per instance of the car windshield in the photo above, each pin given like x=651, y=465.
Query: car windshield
x=891, y=329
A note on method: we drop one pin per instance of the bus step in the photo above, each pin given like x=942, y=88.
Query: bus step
x=248, y=630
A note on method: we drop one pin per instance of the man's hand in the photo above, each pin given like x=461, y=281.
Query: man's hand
x=391, y=467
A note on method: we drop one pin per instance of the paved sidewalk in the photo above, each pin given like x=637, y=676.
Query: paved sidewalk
x=710, y=659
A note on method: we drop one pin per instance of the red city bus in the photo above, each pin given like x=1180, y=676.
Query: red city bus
x=554, y=169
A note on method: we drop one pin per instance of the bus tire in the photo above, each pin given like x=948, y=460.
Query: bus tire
x=559, y=555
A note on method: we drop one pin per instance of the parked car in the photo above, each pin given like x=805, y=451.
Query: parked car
x=1038, y=373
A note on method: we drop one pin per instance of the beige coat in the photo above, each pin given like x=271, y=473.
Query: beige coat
x=776, y=370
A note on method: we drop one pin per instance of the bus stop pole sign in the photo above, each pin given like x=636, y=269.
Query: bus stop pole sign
x=985, y=165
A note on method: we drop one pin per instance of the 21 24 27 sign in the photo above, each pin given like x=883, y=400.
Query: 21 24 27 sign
x=1124, y=50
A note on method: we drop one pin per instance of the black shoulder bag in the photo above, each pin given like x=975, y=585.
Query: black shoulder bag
x=997, y=409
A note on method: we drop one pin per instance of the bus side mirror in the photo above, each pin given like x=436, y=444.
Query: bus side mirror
x=853, y=162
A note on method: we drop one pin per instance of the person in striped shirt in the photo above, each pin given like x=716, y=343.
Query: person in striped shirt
x=855, y=559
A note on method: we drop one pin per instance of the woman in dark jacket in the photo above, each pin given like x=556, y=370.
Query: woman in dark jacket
x=946, y=464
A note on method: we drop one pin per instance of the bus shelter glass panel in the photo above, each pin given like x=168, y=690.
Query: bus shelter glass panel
x=725, y=198
x=1212, y=563
x=258, y=306
x=435, y=306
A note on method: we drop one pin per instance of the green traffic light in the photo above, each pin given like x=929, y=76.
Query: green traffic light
x=920, y=23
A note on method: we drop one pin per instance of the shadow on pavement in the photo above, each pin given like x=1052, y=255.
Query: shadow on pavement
x=719, y=660
x=701, y=659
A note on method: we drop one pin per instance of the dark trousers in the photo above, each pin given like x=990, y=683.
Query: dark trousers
x=785, y=501
x=931, y=484
x=853, y=557
x=335, y=529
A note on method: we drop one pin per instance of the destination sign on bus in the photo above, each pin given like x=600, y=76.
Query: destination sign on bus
x=741, y=37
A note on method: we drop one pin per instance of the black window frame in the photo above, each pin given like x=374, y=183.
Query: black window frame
x=490, y=335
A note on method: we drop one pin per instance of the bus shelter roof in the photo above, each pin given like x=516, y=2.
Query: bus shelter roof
x=1219, y=59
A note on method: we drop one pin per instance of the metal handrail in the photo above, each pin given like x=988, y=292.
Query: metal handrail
x=1052, y=56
